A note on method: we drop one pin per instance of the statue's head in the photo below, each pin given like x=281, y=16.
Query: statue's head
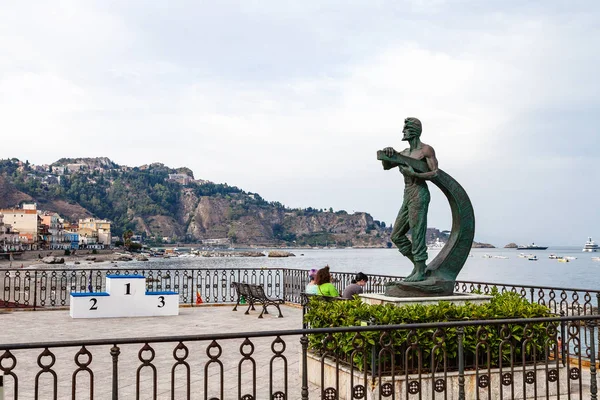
x=412, y=128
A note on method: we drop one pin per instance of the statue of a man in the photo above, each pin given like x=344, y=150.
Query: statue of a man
x=413, y=213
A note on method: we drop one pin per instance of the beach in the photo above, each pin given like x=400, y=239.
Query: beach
x=33, y=259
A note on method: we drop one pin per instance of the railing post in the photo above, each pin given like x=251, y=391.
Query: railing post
x=114, y=352
x=34, y=293
x=598, y=312
x=531, y=290
x=460, y=332
x=304, y=344
x=593, y=383
x=563, y=339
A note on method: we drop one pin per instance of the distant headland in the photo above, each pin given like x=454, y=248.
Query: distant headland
x=169, y=205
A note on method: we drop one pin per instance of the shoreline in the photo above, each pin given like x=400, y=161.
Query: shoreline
x=33, y=258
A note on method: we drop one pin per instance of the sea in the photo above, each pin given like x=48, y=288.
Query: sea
x=481, y=266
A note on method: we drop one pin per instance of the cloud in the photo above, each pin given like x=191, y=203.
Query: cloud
x=291, y=100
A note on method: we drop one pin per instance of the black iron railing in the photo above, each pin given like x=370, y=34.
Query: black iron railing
x=52, y=287
x=313, y=363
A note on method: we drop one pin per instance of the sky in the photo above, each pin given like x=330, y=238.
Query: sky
x=292, y=99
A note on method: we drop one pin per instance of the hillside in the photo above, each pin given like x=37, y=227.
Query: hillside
x=162, y=202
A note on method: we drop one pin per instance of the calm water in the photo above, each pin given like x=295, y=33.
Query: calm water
x=579, y=273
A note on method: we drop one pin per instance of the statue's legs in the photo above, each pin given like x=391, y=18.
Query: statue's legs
x=401, y=227
x=416, y=199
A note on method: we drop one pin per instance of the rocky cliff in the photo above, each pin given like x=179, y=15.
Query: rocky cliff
x=150, y=202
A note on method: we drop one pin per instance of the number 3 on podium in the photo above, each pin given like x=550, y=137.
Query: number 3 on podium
x=161, y=301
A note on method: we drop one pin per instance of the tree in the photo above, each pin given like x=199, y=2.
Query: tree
x=127, y=238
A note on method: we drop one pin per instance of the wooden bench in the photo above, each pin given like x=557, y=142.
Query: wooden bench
x=255, y=294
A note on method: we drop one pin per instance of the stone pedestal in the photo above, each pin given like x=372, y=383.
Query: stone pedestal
x=456, y=298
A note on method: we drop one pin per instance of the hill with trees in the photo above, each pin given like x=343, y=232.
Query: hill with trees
x=163, y=203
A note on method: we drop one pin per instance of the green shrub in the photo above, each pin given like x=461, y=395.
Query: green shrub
x=321, y=314
x=67, y=252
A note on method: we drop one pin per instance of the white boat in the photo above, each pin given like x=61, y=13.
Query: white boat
x=437, y=245
x=532, y=258
x=590, y=246
x=523, y=255
x=501, y=257
x=486, y=256
x=595, y=258
x=570, y=258
x=555, y=257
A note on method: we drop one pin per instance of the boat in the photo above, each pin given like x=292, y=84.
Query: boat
x=501, y=257
x=532, y=246
x=532, y=258
x=590, y=246
x=595, y=258
x=554, y=257
x=522, y=255
x=486, y=256
x=437, y=245
x=563, y=260
x=570, y=258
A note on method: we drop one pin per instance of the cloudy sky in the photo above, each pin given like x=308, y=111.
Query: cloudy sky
x=292, y=99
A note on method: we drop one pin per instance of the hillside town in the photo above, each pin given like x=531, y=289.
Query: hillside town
x=28, y=228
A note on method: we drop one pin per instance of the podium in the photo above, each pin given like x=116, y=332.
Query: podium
x=125, y=296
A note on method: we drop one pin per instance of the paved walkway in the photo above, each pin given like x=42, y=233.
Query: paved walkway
x=57, y=325
x=231, y=370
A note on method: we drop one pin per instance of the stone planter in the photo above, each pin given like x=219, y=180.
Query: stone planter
x=426, y=386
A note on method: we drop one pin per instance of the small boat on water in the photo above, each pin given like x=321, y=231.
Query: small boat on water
x=532, y=258
x=486, y=256
x=501, y=257
x=437, y=245
x=563, y=260
x=590, y=246
x=595, y=258
x=523, y=255
x=570, y=258
x=532, y=246
x=555, y=257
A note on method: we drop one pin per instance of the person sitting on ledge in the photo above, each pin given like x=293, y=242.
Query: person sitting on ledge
x=356, y=287
x=324, y=285
x=311, y=287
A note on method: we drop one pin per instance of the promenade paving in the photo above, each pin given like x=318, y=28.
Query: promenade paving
x=231, y=368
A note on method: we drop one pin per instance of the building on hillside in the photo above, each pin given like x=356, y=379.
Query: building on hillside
x=87, y=237
x=218, y=242
x=55, y=238
x=9, y=238
x=101, y=228
x=27, y=222
x=58, y=170
x=182, y=179
x=75, y=167
x=72, y=240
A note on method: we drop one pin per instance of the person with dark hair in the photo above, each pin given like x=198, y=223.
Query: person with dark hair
x=356, y=287
x=324, y=285
x=311, y=288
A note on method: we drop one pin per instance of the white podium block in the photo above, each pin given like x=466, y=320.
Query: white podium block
x=125, y=296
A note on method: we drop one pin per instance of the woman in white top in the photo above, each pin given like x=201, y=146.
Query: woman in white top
x=311, y=288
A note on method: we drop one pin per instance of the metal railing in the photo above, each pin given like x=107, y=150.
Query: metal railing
x=525, y=362
x=51, y=287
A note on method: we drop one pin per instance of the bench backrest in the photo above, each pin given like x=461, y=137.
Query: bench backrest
x=257, y=291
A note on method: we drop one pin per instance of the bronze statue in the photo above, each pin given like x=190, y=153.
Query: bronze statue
x=413, y=213
x=418, y=164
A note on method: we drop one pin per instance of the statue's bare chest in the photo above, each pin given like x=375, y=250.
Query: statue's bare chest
x=417, y=154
